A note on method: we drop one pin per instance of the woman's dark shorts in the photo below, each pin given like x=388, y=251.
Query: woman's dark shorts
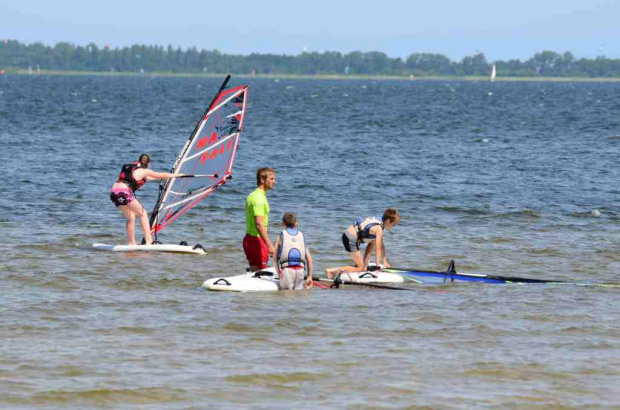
x=121, y=197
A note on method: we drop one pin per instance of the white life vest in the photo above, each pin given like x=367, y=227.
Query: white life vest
x=292, y=248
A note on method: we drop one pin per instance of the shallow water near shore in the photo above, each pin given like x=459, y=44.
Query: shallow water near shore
x=505, y=178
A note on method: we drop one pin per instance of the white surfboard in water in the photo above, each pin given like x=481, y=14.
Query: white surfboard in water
x=264, y=280
x=197, y=250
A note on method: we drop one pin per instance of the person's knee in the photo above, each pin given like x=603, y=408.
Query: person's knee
x=141, y=213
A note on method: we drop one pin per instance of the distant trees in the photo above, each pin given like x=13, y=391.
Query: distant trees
x=66, y=56
x=421, y=63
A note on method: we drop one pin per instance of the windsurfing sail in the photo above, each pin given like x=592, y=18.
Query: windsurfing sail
x=451, y=275
x=493, y=73
x=207, y=157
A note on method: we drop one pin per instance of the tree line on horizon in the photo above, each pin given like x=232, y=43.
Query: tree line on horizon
x=141, y=58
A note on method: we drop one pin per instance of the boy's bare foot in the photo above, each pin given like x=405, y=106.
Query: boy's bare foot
x=332, y=273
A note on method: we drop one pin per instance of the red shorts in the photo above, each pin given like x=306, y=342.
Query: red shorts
x=256, y=251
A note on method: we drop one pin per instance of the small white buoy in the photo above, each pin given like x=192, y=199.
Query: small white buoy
x=596, y=213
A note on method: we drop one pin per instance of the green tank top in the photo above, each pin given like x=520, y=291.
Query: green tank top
x=256, y=205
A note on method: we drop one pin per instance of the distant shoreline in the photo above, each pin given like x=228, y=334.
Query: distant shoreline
x=315, y=77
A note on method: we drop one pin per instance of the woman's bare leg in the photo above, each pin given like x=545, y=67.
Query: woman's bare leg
x=137, y=209
x=131, y=228
x=146, y=227
x=130, y=225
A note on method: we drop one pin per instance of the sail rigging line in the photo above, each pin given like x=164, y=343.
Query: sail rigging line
x=206, y=159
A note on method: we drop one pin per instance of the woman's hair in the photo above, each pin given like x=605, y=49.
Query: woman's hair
x=144, y=160
x=391, y=214
x=262, y=174
x=289, y=219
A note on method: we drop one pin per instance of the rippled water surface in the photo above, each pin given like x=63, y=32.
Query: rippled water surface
x=505, y=178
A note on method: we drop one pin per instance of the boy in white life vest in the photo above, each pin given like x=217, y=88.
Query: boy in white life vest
x=292, y=256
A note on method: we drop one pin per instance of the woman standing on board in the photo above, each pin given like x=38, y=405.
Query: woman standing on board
x=370, y=231
x=132, y=177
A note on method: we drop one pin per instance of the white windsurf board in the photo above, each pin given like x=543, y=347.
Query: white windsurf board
x=371, y=277
x=151, y=248
x=265, y=280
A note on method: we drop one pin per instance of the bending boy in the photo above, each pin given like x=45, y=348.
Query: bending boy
x=366, y=231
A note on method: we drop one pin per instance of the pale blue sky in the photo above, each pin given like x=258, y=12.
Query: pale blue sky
x=500, y=29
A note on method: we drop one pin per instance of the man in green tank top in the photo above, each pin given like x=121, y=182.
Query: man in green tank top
x=256, y=244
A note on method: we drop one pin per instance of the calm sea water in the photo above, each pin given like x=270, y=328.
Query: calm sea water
x=510, y=178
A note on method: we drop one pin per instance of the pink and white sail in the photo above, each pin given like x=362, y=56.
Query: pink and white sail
x=208, y=156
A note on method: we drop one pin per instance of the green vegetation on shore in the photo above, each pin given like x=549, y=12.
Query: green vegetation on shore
x=67, y=58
